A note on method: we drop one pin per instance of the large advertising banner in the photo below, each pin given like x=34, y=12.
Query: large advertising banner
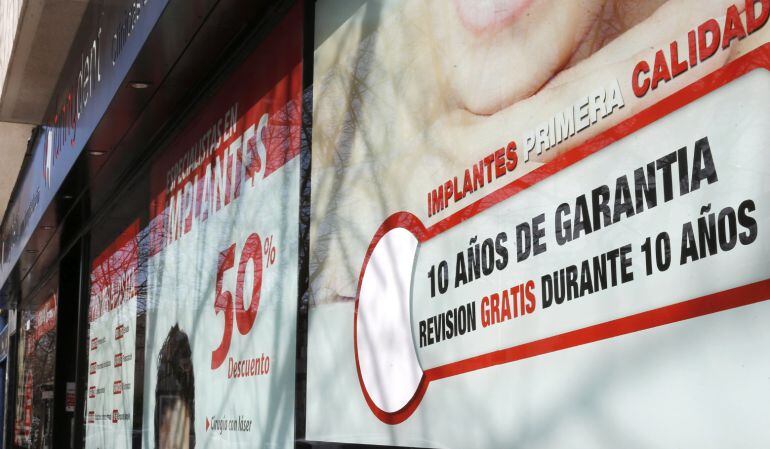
x=33, y=426
x=112, y=336
x=540, y=224
x=222, y=267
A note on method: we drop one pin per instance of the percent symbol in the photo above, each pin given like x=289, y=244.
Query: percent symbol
x=269, y=251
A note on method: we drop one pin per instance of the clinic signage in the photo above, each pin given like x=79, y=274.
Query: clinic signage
x=527, y=222
x=95, y=73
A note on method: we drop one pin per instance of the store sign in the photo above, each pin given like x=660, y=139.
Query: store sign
x=222, y=263
x=549, y=256
x=96, y=73
x=115, y=281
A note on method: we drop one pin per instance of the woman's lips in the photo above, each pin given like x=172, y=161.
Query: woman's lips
x=482, y=16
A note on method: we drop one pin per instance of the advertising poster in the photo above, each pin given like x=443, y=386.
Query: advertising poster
x=222, y=268
x=33, y=427
x=540, y=224
x=112, y=338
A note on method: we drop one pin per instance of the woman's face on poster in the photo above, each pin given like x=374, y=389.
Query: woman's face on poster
x=494, y=53
x=175, y=424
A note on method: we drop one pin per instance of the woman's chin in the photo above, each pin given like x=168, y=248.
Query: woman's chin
x=488, y=16
x=486, y=103
x=483, y=94
x=495, y=53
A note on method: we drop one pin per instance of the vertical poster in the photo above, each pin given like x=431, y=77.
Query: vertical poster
x=33, y=427
x=222, y=265
x=540, y=223
x=112, y=343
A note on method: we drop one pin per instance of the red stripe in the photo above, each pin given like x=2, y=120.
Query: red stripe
x=758, y=58
x=704, y=305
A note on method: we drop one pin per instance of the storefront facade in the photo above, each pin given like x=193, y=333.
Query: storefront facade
x=405, y=224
